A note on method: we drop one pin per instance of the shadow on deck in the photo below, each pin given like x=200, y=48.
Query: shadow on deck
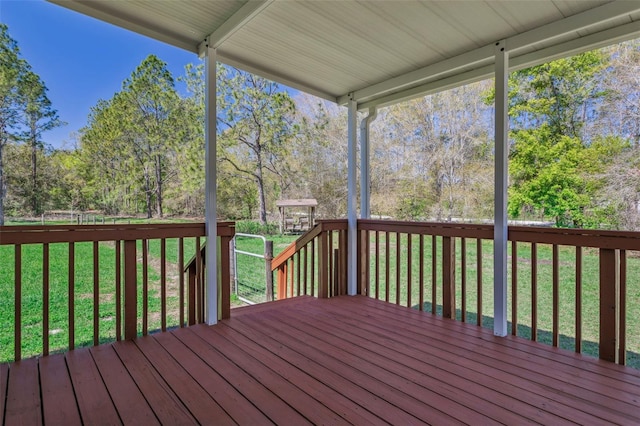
x=332, y=361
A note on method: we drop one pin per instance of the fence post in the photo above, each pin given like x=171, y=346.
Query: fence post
x=448, y=278
x=268, y=257
x=609, y=288
x=130, y=290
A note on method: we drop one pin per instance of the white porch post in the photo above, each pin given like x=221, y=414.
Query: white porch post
x=500, y=232
x=365, y=175
x=211, y=314
x=352, y=234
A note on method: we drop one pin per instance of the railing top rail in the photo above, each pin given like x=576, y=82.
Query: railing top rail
x=447, y=229
x=32, y=234
x=292, y=248
x=626, y=240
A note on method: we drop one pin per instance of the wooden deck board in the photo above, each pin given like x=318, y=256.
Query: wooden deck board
x=58, y=399
x=345, y=360
x=4, y=380
x=126, y=397
x=507, y=390
x=23, y=394
x=93, y=399
x=538, y=373
x=164, y=403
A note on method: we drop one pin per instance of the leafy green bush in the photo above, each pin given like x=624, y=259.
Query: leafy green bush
x=253, y=227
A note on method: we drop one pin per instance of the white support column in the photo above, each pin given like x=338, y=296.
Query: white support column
x=352, y=234
x=365, y=175
x=500, y=232
x=211, y=313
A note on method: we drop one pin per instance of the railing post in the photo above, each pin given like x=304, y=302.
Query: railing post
x=363, y=264
x=130, y=290
x=609, y=287
x=268, y=257
x=323, y=265
x=448, y=278
x=225, y=276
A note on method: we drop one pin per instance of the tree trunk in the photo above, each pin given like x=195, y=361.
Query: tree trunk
x=147, y=192
x=262, y=204
x=34, y=172
x=159, y=185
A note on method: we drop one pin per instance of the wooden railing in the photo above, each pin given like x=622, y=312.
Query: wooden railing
x=567, y=287
x=315, y=264
x=99, y=283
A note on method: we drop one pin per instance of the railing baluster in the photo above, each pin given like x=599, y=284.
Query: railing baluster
x=421, y=308
x=96, y=294
x=313, y=267
x=514, y=288
x=448, y=278
x=622, y=310
x=17, y=274
x=556, y=298
x=387, y=246
x=479, y=278
x=130, y=290
x=45, y=299
x=163, y=284
x=398, y=267
x=145, y=286
x=578, y=299
x=330, y=275
x=305, y=269
x=118, y=292
x=291, y=281
x=377, y=268
x=409, y=269
x=72, y=284
x=434, y=275
x=180, y=282
x=463, y=278
x=367, y=256
x=534, y=291
x=609, y=286
x=298, y=274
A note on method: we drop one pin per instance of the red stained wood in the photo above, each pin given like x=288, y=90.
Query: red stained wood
x=17, y=342
x=59, y=405
x=204, y=408
x=162, y=400
x=127, y=398
x=274, y=408
x=4, y=379
x=23, y=394
x=240, y=409
x=45, y=299
x=131, y=290
x=326, y=361
x=92, y=396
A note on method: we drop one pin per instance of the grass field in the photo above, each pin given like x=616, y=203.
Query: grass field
x=251, y=277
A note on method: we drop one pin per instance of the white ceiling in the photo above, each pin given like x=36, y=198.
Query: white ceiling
x=380, y=51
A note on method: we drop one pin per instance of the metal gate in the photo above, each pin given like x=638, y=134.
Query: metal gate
x=252, y=270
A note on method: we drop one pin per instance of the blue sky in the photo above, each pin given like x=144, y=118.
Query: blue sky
x=80, y=59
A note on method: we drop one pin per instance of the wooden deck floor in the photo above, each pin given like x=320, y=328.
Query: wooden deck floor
x=343, y=360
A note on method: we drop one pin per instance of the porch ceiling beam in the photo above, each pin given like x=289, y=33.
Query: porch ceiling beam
x=572, y=47
x=240, y=18
x=478, y=58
